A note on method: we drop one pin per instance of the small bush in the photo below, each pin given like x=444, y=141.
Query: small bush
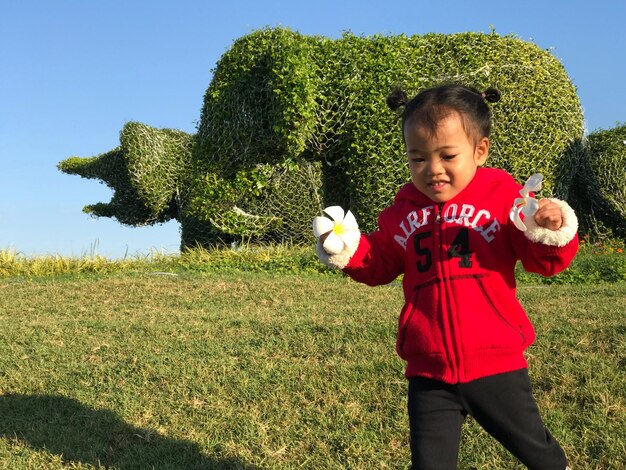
x=600, y=184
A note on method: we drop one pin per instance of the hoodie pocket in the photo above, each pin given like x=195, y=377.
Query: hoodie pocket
x=419, y=324
x=490, y=317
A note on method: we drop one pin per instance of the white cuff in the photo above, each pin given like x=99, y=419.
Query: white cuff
x=338, y=261
x=560, y=237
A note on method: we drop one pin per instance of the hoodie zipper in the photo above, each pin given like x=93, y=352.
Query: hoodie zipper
x=443, y=274
x=438, y=217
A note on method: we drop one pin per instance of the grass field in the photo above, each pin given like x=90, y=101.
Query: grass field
x=258, y=371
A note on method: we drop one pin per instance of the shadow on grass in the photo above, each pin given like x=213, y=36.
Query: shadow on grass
x=65, y=427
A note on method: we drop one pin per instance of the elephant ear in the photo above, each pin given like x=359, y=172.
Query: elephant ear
x=156, y=160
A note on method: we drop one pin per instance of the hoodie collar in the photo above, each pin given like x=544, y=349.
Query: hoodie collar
x=410, y=192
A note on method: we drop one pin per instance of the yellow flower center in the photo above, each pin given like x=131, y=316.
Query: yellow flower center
x=339, y=229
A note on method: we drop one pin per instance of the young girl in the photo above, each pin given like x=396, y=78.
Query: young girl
x=461, y=331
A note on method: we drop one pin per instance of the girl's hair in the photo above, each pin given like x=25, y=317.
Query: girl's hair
x=430, y=106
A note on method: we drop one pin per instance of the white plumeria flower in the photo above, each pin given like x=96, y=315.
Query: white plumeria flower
x=341, y=227
x=526, y=205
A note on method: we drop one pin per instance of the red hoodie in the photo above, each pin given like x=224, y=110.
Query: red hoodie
x=461, y=319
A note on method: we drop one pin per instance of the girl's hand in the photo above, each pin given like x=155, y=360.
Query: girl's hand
x=336, y=231
x=549, y=215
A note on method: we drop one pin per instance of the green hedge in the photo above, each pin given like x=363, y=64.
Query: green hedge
x=292, y=123
x=600, y=194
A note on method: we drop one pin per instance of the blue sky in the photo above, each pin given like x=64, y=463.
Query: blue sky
x=73, y=72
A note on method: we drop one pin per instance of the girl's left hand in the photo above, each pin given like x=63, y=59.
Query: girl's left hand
x=549, y=215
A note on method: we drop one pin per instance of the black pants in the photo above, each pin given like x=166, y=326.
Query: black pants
x=502, y=404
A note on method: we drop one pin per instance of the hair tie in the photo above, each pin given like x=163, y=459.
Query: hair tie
x=491, y=95
x=397, y=98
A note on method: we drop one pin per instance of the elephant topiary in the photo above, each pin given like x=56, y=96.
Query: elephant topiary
x=293, y=123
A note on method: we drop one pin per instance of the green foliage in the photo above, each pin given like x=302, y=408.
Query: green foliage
x=146, y=172
x=112, y=168
x=157, y=161
x=278, y=96
x=595, y=263
x=259, y=105
x=293, y=123
x=213, y=207
x=217, y=201
x=600, y=195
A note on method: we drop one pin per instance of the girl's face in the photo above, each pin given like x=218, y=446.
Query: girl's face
x=443, y=164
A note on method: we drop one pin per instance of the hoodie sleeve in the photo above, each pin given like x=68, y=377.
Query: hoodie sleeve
x=378, y=259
